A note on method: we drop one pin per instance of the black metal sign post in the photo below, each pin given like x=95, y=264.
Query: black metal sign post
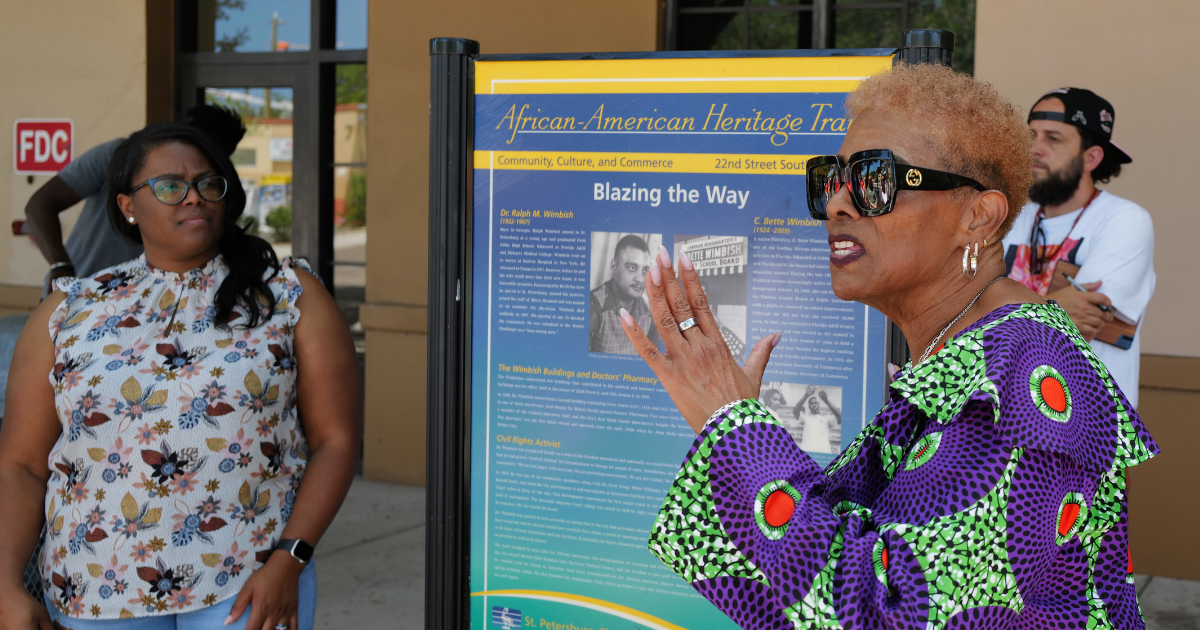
x=448, y=469
x=925, y=45
x=448, y=440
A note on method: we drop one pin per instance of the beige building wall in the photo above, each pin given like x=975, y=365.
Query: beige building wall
x=63, y=59
x=1139, y=56
x=1136, y=55
x=397, y=197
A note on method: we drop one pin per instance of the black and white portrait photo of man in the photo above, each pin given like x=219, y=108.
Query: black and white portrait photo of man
x=619, y=265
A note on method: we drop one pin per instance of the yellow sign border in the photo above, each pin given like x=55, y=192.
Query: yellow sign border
x=583, y=601
x=627, y=162
x=677, y=76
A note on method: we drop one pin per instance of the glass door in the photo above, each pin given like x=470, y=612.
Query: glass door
x=349, y=139
x=263, y=158
x=295, y=69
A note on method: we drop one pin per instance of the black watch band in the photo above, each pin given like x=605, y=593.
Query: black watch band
x=300, y=550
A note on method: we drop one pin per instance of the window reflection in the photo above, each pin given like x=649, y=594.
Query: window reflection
x=867, y=28
x=350, y=192
x=263, y=159
x=351, y=24
x=710, y=31
x=783, y=24
x=254, y=25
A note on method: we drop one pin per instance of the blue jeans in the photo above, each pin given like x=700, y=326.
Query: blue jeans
x=209, y=618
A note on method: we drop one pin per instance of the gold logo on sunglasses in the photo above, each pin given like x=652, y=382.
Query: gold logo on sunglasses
x=913, y=177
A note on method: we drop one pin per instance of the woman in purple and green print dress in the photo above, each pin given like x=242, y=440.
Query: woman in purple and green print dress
x=989, y=493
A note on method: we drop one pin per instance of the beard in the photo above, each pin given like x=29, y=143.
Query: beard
x=1057, y=186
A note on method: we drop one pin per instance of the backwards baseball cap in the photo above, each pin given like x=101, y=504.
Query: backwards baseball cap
x=1087, y=110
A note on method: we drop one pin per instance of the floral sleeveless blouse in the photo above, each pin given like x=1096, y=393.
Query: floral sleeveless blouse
x=180, y=454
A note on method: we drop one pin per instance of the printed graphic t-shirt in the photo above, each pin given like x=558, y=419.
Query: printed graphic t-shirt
x=1113, y=242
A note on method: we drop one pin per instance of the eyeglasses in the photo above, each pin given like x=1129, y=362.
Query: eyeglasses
x=172, y=190
x=871, y=177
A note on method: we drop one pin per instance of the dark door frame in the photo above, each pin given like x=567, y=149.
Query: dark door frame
x=311, y=75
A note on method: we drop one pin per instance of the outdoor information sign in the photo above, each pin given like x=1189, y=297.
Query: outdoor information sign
x=583, y=168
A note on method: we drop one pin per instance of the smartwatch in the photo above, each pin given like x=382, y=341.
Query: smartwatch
x=300, y=550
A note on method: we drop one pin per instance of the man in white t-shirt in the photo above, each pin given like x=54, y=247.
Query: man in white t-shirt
x=1069, y=219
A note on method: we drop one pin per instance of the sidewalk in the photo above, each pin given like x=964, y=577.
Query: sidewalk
x=1169, y=604
x=371, y=568
x=371, y=562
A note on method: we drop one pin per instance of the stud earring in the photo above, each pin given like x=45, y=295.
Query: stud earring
x=131, y=220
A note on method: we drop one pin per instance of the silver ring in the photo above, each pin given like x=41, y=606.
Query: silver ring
x=687, y=323
x=281, y=627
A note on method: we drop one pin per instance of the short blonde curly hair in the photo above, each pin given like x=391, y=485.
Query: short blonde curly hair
x=975, y=131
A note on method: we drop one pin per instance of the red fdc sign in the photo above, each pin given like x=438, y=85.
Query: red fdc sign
x=42, y=146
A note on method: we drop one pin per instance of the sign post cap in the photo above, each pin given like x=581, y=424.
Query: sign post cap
x=926, y=45
x=929, y=38
x=453, y=46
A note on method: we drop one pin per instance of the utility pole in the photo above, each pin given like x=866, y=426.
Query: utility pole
x=275, y=22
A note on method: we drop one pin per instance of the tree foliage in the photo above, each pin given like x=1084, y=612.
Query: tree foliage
x=351, y=83
x=356, y=201
x=952, y=15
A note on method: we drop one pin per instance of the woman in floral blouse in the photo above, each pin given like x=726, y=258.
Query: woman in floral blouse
x=156, y=436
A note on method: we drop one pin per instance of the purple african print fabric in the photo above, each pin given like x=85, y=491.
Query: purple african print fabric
x=989, y=493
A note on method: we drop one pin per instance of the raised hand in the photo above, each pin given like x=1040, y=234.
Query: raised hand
x=696, y=367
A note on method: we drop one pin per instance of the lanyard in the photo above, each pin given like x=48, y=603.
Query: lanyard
x=1037, y=220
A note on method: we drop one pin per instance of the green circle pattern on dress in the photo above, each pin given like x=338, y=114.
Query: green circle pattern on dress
x=1037, y=391
x=923, y=450
x=1071, y=515
x=773, y=532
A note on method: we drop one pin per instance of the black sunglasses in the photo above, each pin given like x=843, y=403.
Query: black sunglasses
x=871, y=177
x=1038, y=254
x=172, y=190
